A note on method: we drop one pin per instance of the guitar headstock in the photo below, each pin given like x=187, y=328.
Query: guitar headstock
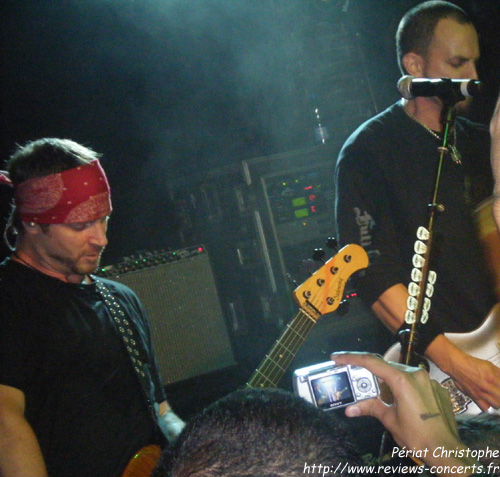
x=323, y=291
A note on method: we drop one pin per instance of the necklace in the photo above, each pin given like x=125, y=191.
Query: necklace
x=451, y=148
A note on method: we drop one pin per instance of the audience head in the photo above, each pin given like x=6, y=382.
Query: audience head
x=480, y=432
x=264, y=432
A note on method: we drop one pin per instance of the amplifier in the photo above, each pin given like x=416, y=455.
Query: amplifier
x=179, y=293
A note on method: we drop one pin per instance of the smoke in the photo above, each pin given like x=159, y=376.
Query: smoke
x=166, y=89
x=218, y=81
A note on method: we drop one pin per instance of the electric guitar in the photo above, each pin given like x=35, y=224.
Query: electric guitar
x=483, y=343
x=144, y=462
x=321, y=293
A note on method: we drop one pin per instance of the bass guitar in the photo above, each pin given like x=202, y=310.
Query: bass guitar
x=483, y=343
x=321, y=293
x=144, y=462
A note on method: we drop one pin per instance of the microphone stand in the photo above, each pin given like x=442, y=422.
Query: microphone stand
x=449, y=97
x=409, y=338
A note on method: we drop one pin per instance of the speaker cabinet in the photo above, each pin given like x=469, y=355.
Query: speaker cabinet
x=188, y=328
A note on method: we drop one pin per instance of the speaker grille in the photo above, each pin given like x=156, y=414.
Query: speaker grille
x=188, y=329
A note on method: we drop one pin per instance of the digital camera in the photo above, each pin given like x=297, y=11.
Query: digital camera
x=329, y=386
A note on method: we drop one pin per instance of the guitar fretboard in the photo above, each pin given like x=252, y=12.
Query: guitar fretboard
x=274, y=365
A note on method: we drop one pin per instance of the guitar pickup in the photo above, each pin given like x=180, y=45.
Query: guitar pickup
x=459, y=401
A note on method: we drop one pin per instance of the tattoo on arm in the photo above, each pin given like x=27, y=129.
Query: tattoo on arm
x=426, y=416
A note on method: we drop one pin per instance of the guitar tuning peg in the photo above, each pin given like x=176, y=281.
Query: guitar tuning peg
x=319, y=255
x=331, y=242
x=308, y=266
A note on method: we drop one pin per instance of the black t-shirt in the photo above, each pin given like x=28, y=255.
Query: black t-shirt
x=385, y=179
x=60, y=347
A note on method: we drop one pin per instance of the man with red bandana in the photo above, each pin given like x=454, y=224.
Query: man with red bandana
x=74, y=399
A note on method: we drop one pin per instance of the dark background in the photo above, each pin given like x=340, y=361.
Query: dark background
x=170, y=89
x=177, y=93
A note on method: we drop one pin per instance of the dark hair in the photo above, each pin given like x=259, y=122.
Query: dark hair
x=264, y=432
x=481, y=431
x=41, y=158
x=47, y=156
x=416, y=28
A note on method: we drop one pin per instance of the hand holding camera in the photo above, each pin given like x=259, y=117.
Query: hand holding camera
x=420, y=414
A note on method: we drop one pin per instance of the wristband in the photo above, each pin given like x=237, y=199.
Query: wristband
x=426, y=334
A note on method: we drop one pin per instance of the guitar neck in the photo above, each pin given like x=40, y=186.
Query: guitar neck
x=274, y=365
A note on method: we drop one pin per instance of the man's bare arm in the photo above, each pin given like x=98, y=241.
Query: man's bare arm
x=420, y=417
x=20, y=454
x=477, y=378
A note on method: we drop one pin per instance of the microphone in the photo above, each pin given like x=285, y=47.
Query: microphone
x=410, y=87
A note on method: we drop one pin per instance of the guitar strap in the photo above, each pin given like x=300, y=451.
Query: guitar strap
x=169, y=424
x=131, y=343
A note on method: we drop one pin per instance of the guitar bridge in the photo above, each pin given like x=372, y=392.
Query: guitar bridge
x=459, y=401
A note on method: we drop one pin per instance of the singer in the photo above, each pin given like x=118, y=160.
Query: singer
x=386, y=173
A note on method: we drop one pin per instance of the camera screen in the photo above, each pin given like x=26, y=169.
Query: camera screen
x=332, y=391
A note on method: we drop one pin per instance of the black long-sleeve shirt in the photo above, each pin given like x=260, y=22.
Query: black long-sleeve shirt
x=385, y=179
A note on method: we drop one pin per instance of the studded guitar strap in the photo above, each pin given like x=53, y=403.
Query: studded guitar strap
x=131, y=343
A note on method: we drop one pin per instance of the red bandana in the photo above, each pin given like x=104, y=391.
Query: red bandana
x=80, y=194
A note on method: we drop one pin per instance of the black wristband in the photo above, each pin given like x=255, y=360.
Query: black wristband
x=426, y=334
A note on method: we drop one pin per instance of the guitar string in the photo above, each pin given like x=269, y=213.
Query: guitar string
x=296, y=334
x=264, y=373
x=495, y=359
x=289, y=343
x=292, y=335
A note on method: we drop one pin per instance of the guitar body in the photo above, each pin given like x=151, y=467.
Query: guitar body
x=490, y=239
x=483, y=343
x=144, y=462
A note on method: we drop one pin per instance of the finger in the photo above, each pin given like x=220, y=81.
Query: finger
x=483, y=405
x=485, y=402
x=490, y=392
x=370, y=407
x=390, y=373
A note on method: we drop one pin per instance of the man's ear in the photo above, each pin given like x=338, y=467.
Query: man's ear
x=31, y=227
x=414, y=64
